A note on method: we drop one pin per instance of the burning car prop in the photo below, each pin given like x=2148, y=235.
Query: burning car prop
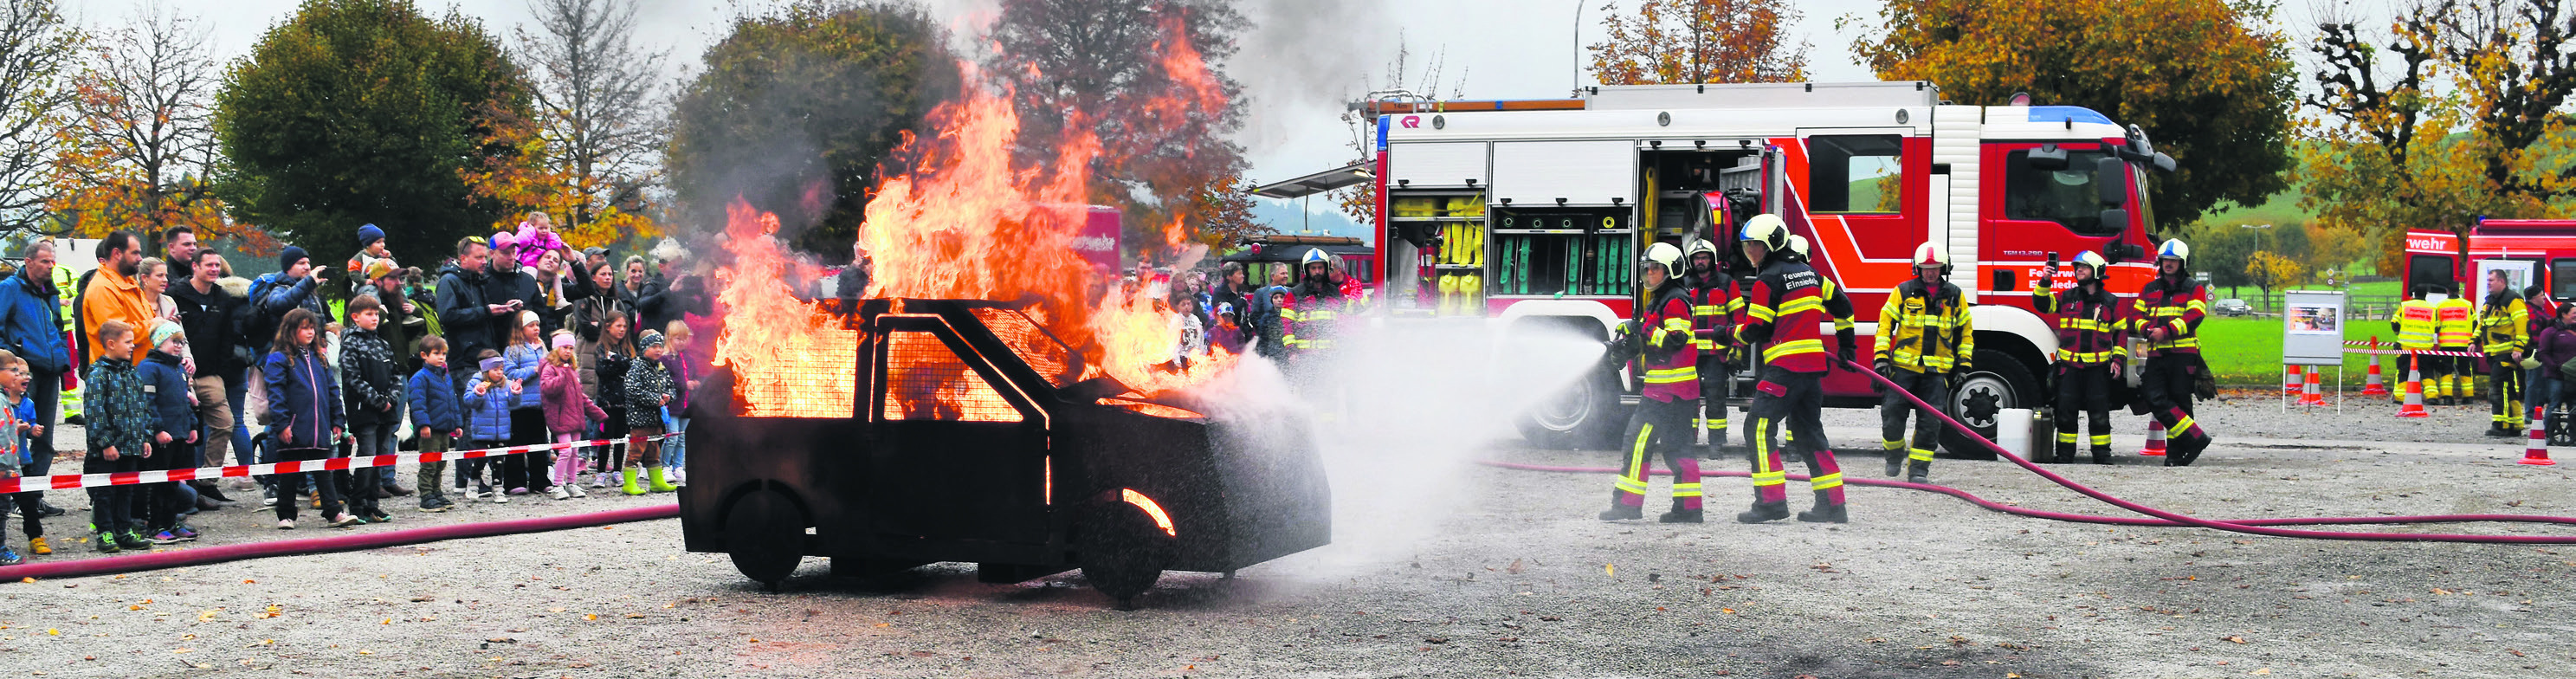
x=901, y=432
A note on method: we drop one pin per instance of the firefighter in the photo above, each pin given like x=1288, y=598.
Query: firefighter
x=2091, y=350
x=1783, y=311
x=1924, y=342
x=2504, y=332
x=2456, y=327
x=2416, y=320
x=1319, y=303
x=1713, y=299
x=1670, y=356
x=1837, y=306
x=2168, y=314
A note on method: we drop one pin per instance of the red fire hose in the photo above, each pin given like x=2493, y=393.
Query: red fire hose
x=337, y=543
x=2162, y=517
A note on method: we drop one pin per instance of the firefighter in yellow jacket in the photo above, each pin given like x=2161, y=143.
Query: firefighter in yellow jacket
x=2416, y=324
x=1924, y=342
x=2456, y=327
x=2503, y=333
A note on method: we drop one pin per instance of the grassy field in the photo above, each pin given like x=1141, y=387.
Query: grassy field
x=2247, y=351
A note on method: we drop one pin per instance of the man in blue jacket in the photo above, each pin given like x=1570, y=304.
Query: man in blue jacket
x=30, y=326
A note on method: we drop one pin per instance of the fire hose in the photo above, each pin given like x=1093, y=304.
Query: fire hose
x=2161, y=518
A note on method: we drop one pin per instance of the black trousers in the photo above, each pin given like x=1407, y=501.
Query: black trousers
x=1794, y=401
x=2167, y=383
x=1933, y=388
x=2084, y=390
x=289, y=486
x=164, y=502
x=527, y=428
x=111, y=508
x=2507, y=406
x=1714, y=381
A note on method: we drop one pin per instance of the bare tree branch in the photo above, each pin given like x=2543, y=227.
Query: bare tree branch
x=145, y=107
x=35, y=46
x=599, y=96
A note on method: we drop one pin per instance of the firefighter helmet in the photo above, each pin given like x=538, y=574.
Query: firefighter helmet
x=1932, y=254
x=1798, y=247
x=1664, y=255
x=2093, y=260
x=1698, y=247
x=1768, y=230
x=1316, y=255
x=2175, y=249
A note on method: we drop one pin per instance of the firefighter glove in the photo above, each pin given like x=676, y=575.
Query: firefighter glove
x=1850, y=352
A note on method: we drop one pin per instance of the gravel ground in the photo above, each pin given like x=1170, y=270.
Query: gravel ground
x=1462, y=570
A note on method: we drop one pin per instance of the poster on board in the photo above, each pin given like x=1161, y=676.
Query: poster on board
x=2312, y=331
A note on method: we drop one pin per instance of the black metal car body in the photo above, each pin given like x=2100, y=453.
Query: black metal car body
x=963, y=435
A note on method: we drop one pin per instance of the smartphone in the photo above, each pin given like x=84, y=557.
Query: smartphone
x=2052, y=259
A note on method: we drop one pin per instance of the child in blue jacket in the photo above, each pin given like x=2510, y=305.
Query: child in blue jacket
x=488, y=398
x=305, y=412
x=439, y=415
x=174, y=433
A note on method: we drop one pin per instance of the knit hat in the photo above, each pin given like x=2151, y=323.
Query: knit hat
x=379, y=268
x=495, y=363
x=651, y=338
x=163, y=329
x=563, y=339
x=287, y=258
x=368, y=233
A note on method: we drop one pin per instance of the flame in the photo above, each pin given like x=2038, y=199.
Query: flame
x=963, y=220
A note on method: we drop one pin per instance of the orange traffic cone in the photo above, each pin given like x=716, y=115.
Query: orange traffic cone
x=2537, y=454
x=2290, y=379
x=2414, y=389
x=2308, y=393
x=2372, y=386
x=2155, y=440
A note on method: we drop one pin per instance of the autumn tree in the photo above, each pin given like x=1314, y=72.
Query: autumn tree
x=364, y=111
x=599, y=100
x=1699, y=41
x=2266, y=269
x=2332, y=247
x=138, y=140
x=1144, y=77
x=2203, y=78
x=794, y=109
x=2449, y=113
x=37, y=48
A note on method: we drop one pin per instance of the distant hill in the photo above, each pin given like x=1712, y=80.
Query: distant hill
x=1284, y=216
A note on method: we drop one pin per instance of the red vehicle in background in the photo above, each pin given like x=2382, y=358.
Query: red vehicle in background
x=2537, y=251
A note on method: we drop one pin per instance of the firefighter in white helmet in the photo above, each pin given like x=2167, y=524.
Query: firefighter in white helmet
x=2092, y=348
x=1839, y=307
x=1714, y=303
x=1924, y=342
x=1660, y=425
x=2167, y=313
x=1784, y=311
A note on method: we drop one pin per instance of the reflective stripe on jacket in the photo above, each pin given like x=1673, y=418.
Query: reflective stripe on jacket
x=1924, y=329
x=2090, y=330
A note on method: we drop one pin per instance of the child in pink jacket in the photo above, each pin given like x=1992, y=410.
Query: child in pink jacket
x=568, y=411
x=536, y=237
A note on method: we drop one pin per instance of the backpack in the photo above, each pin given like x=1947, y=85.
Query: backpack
x=254, y=327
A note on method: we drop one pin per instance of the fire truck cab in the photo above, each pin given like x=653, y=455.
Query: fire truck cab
x=1530, y=215
x=2537, y=251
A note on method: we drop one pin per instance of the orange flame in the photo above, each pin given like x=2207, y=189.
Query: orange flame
x=965, y=222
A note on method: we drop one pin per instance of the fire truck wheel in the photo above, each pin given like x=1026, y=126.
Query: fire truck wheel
x=765, y=535
x=1122, y=551
x=1998, y=382
x=1586, y=415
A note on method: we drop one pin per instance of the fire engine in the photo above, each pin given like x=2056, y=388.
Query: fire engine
x=2532, y=251
x=1529, y=215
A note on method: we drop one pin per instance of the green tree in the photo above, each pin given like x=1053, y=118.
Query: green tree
x=364, y=111
x=2201, y=77
x=2223, y=250
x=795, y=108
x=1142, y=76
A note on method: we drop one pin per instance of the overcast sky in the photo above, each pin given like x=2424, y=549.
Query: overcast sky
x=1300, y=61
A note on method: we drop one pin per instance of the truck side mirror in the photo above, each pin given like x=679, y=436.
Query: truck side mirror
x=2047, y=157
x=2111, y=181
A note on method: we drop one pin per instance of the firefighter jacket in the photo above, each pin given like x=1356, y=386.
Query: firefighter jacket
x=2174, y=306
x=2504, y=326
x=2456, y=325
x=2416, y=324
x=1312, y=319
x=1785, y=311
x=2090, y=330
x=1671, y=357
x=1714, y=306
x=1925, y=329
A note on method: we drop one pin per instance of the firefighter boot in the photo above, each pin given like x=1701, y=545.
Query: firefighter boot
x=1683, y=512
x=1621, y=510
x=1764, y=511
x=1895, y=457
x=1826, y=511
x=2183, y=452
x=1918, y=471
x=659, y=485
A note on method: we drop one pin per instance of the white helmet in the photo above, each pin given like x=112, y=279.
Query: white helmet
x=2093, y=260
x=1698, y=247
x=2174, y=248
x=1798, y=246
x=1316, y=255
x=1931, y=254
x=1664, y=255
x=1767, y=229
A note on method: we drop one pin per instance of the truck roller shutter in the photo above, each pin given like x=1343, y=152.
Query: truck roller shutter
x=1423, y=165
x=1537, y=173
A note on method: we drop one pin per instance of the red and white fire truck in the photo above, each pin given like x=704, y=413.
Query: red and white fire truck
x=1530, y=214
x=2532, y=251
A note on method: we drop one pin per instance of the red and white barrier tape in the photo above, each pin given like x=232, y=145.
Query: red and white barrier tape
x=2402, y=352
x=76, y=481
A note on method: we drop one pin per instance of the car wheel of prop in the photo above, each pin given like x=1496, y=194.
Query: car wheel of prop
x=1584, y=414
x=1999, y=382
x=765, y=535
x=1122, y=551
